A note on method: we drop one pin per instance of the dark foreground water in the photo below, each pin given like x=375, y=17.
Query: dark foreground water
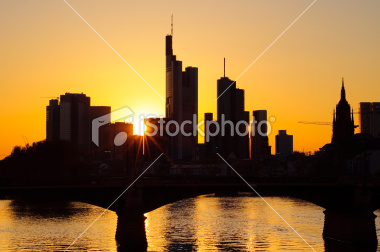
x=205, y=223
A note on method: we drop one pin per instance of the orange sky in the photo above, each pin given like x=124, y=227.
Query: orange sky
x=47, y=50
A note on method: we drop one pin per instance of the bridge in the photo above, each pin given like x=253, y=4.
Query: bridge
x=348, y=202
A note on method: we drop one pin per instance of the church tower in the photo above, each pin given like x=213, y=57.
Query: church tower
x=343, y=119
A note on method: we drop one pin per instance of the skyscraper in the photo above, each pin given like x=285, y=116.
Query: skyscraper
x=75, y=119
x=284, y=143
x=52, y=121
x=104, y=136
x=230, y=107
x=189, y=93
x=181, y=101
x=226, y=103
x=98, y=111
x=242, y=142
x=226, y=111
x=343, y=120
x=259, y=135
x=173, y=83
x=369, y=118
x=210, y=138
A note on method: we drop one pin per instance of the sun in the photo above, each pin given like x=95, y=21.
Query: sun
x=139, y=128
x=142, y=113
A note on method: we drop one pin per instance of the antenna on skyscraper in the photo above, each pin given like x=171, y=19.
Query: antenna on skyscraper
x=172, y=25
x=224, y=75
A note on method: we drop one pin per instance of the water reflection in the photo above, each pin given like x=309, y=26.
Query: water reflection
x=53, y=226
x=41, y=210
x=236, y=223
x=205, y=223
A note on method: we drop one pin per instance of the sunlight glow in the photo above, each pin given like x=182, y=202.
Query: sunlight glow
x=139, y=128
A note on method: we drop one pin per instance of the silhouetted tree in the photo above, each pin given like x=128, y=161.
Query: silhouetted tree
x=44, y=161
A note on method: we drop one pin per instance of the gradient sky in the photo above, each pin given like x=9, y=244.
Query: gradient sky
x=47, y=50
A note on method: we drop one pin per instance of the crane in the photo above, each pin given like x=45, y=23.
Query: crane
x=317, y=123
x=51, y=98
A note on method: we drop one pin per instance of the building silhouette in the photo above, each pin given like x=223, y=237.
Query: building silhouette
x=230, y=110
x=242, y=142
x=284, y=143
x=98, y=111
x=119, y=152
x=181, y=101
x=343, y=119
x=70, y=120
x=102, y=151
x=369, y=118
x=75, y=119
x=53, y=120
x=156, y=142
x=210, y=135
x=226, y=107
x=259, y=135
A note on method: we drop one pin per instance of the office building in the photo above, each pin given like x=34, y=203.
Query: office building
x=369, y=118
x=104, y=137
x=210, y=137
x=98, y=111
x=117, y=143
x=284, y=143
x=242, y=142
x=75, y=120
x=259, y=135
x=157, y=142
x=52, y=120
x=230, y=110
x=181, y=101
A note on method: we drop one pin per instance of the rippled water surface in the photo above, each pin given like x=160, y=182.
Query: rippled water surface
x=205, y=223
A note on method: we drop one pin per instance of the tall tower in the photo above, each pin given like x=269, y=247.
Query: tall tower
x=343, y=120
x=230, y=107
x=181, y=100
x=259, y=135
x=75, y=119
x=52, y=120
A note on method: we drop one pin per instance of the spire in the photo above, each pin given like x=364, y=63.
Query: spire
x=343, y=91
x=172, y=26
x=224, y=75
x=169, y=42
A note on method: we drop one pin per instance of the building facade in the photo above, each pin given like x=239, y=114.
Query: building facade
x=181, y=102
x=284, y=143
x=75, y=119
x=53, y=120
x=369, y=118
x=259, y=135
x=230, y=111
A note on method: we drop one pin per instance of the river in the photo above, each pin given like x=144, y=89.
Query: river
x=204, y=223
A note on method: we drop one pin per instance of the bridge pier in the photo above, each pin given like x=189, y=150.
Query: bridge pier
x=350, y=225
x=130, y=231
x=350, y=231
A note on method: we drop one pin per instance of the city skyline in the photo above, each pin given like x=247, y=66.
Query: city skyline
x=84, y=63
